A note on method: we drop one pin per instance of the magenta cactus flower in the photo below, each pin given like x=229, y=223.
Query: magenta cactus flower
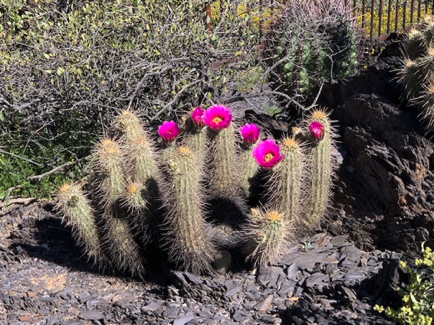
x=250, y=133
x=267, y=153
x=317, y=130
x=168, y=131
x=197, y=117
x=217, y=117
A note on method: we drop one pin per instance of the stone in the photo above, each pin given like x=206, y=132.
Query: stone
x=268, y=275
x=154, y=305
x=317, y=280
x=182, y=320
x=264, y=305
x=91, y=315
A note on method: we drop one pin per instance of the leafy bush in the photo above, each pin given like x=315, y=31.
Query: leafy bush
x=67, y=69
x=417, y=296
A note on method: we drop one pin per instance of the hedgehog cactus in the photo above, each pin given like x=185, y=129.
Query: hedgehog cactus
x=188, y=239
x=287, y=181
x=266, y=234
x=185, y=197
x=321, y=168
x=76, y=208
x=417, y=71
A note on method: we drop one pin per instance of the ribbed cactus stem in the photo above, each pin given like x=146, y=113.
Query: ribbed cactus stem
x=415, y=46
x=119, y=240
x=266, y=236
x=197, y=140
x=121, y=247
x=248, y=168
x=129, y=125
x=224, y=176
x=168, y=151
x=78, y=213
x=321, y=172
x=109, y=164
x=189, y=243
x=428, y=105
x=287, y=180
x=141, y=159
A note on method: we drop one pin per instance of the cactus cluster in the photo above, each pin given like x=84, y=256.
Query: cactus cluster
x=417, y=71
x=190, y=192
x=309, y=42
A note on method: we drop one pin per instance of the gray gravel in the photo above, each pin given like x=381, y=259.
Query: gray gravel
x=45, y=280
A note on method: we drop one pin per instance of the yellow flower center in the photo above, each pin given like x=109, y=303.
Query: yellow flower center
x=289, y=142
x=318, y=115
x=217, y=119
x=65, y=187
x=107, y=142
x=184, y=150
x=131, y=189
x=268, y=157
x=273, y=216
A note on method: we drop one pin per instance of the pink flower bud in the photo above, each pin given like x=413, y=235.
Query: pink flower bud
x=197, y=117
x=317, y=130
x=168, y=131
x=250, y=133
x=217, y=117
x=267, y=153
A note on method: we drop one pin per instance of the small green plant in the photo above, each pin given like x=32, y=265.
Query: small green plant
x=417, y=296
x=306, y=246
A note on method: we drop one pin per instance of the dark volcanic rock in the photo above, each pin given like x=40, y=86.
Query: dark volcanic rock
x=388, y=171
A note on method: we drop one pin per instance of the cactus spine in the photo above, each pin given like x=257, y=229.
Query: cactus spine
x=190, y=246
x=321, y=172
x=76, y=208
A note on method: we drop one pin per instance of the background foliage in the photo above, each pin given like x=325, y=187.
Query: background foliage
x=68, y=66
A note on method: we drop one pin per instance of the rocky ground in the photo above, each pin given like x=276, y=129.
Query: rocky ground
x=45, y=280
x=383, y=211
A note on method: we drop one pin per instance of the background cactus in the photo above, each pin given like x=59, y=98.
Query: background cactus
x=417, y=72
x=189, y=202
x=311, y=41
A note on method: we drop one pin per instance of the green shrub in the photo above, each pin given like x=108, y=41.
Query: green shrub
x=65, y=71
x=417, y=296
